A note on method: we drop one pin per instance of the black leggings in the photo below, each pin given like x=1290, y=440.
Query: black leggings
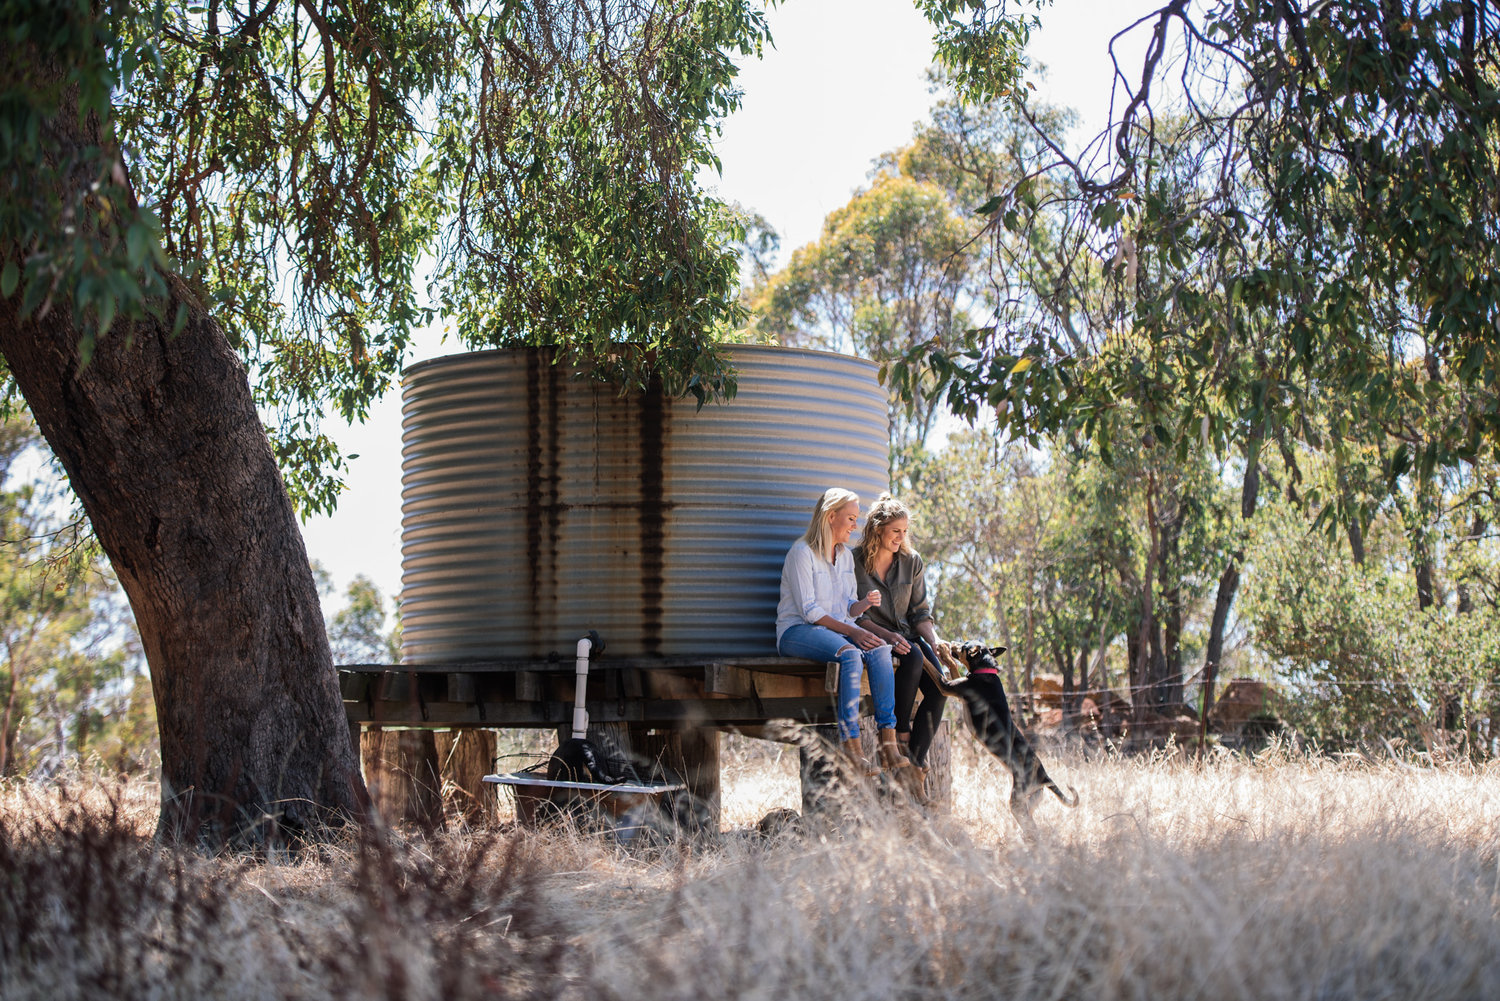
x=910, y=679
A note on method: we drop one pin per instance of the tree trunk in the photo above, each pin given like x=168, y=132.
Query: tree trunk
x=1029, y=672
x=1229, y=580
x=1005, y=641
x=7, y=736
x=1147, y=669
x=1422, y=570
x=163, y=445
x=1063, y=655
x=1169, y=580
x=1157, y=689
x=1135, y=665
x=1477, y=528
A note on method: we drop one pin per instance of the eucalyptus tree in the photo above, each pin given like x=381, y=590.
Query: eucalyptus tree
x=1344, y=200
x=1359, y=661
x=358, y=632
x=215, y=216
x=890, y=270
x=1323, y=274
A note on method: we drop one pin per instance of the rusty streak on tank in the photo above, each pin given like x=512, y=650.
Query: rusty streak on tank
x=533, y=478
x=652, y=516
x=543, y=510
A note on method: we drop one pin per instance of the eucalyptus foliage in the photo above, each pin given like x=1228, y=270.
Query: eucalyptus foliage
x=1295, y=206
x=1358, y=661
x=331, y=176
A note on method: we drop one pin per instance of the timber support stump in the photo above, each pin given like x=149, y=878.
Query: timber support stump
x=690, y=752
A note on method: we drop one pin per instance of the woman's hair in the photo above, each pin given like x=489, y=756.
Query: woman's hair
x=884, y=511
x=819, y=534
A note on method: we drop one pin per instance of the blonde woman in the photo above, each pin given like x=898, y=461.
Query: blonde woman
x=816, y=617
x=885, y=565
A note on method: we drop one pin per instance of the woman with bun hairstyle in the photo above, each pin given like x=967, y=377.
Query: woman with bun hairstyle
x=816, y=618
x=886, y=566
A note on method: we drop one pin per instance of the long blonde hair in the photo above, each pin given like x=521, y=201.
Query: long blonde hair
x=819, y=534
x=885, y=510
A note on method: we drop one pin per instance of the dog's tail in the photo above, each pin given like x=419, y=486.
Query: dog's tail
x=1062, y=798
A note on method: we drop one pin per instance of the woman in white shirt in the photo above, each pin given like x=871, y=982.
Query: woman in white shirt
x=815, y=618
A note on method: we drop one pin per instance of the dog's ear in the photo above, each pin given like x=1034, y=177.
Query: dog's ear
x=996, y=651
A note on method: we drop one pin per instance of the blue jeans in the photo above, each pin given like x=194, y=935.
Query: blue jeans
x=821, y=643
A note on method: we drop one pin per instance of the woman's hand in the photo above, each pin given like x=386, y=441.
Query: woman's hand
x=864, y=639
x=900, y=644
x=869, y=601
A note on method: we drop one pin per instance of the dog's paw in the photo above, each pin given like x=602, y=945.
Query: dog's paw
x=948, y=656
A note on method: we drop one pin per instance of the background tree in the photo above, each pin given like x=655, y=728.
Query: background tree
x=1345, y=169
x=358, y=633
x=66, y=657
x=889, y=271
x=1361, y=660
x=211, y=213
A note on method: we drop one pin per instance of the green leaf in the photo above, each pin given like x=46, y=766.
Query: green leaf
x=108, y=306
x=9, y=278
x=137, y=244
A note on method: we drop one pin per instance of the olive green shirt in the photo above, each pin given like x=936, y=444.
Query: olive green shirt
x=903, y=595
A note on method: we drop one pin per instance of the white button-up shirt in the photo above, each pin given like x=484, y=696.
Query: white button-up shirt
x=812, y=588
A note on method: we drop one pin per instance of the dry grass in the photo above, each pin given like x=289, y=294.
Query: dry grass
x=1227, y=879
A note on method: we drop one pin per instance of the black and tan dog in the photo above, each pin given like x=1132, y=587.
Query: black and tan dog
x=982, y=692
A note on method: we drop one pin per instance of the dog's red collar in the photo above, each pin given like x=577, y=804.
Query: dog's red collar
x=985, y=670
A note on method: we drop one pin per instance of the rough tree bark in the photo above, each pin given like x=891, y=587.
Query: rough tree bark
x=162, y=443
x=1169, y=584
x=1229, y=580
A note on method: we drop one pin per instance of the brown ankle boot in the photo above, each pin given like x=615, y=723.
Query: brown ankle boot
x=891, y=758
x=856, y=755
x=911, y=779
x=914, y=781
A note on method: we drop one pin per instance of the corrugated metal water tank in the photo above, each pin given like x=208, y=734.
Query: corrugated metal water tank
x=537, y=505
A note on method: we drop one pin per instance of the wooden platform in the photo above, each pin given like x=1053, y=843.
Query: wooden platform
x=740, y=692
x=661, y=709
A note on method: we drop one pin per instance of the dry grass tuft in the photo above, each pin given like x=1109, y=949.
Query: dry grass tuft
x=1281, y=877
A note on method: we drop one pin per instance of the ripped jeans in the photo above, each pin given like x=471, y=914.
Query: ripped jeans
x=821, y=643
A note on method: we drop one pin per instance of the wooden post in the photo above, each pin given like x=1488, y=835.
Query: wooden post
x=817, y=767
x=940, y=768
x=691, y=752
x=818, y=770
x=403, y=775
x=467, y=756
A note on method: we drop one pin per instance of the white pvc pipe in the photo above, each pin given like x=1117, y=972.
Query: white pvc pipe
x=580, y=689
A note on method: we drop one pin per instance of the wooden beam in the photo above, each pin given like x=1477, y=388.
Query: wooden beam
x=724, y=679
x=461, y=687
x=529, y=686
x=354, y=687
x=652, y=712
x=770, y=665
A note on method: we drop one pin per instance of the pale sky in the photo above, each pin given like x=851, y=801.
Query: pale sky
x=844, y=83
